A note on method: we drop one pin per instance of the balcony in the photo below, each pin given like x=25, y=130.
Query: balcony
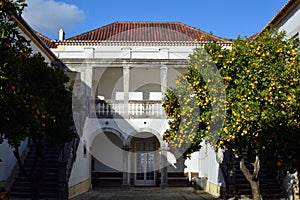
x=135, y=109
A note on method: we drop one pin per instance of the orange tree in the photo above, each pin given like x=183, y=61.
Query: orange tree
x=34, y=101
x=260, y=79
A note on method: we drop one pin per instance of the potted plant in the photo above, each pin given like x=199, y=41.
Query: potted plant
x=4, y=194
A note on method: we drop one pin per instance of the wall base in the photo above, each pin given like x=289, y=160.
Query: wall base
x=16, y=169
x=214, y=189
x=80, y=188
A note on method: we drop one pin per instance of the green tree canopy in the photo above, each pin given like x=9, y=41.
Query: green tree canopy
x=33, y=98
x=260, y=78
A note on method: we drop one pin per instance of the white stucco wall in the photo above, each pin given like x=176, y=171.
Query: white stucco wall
x=291, y=23
x=192, y=163
x=8, y=159
x=107, y=82
x=132, y=52
x=107, y=152
x=81, y=167
x=35, y=48
x=144, y=76
x=209, y=167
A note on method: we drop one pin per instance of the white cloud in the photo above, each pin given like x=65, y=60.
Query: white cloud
x=48, y=16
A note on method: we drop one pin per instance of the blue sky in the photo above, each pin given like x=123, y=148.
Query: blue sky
x=224, y=18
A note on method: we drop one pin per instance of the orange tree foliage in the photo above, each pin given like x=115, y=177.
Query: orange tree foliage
x=33, y=99
x=252, y=102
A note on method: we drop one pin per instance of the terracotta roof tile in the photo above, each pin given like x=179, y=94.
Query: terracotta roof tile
x=48, y=42
x=146, y=32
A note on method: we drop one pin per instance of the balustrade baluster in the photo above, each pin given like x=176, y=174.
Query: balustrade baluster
x=145, y=108
x=132, y=109
x=97, y=109
x=107, y=110
x=149, y=109
x=155, y=110
x=158, y=107
x=102, y=109
x=121, y=109
x=137, y=109
x=115, y=108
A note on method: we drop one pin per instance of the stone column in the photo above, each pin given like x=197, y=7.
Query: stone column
x=126, y=79
x=163, y=79
x=126, y=181
x=86, y=81
x=164, y=166
x=86, y=93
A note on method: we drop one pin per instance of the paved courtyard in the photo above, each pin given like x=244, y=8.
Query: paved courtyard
x=145, y=194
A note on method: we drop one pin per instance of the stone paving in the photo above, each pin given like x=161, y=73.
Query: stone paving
x=145, y=194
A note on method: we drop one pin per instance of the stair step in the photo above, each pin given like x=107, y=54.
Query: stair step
x=28, y=187
x=48, y=175
x=269, y=186
x=45, y=178
x=22, y=194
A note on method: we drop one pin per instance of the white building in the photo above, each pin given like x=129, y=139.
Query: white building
x=124, y=69
x=287, y=19
x=120, y=74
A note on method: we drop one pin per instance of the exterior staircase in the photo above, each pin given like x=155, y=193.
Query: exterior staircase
x=48, y=177
x=270, y=187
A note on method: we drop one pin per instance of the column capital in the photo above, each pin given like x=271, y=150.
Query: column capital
x=126, y=147
x=164, y=146
x=126, y=65
x=163, y=66
x=163, y=79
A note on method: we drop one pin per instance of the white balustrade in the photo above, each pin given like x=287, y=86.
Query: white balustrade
x=136, y=109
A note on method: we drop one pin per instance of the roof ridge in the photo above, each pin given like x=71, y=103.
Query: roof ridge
x=124, y=22
x=204, y=32
x=91, y=30
x=176, y=31
x=150, y=22
x=43, y=36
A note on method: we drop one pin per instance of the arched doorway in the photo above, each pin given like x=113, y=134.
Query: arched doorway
x=107, y=160
x=105, y=147
x=145, y=159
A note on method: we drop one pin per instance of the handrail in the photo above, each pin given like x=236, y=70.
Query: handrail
x=135, y=109
x=66, y=160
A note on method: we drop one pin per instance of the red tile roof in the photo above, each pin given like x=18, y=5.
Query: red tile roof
x=146, y=32
x=48, y=42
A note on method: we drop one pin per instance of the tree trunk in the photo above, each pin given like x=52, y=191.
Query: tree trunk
x=252, y=178
x=18, y=157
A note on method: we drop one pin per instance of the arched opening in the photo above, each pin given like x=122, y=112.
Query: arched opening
x=107, y=160
x=145, y=159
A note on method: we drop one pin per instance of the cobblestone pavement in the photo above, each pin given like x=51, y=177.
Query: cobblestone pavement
x=145, y=194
